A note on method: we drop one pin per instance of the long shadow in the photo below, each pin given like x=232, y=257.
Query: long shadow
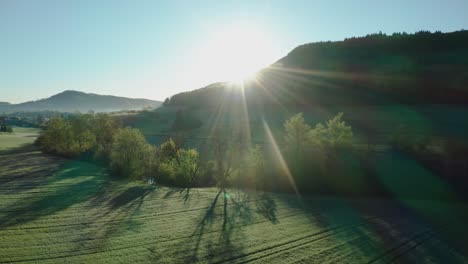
x=378, y=229
x=218, y=235
x=185, y=192
x=59, y=184
x=117, y=205
x=75, y=182
x=25, y=168
x=18, y=150
x=135, y=194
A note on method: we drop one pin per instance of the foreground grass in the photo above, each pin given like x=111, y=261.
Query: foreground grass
x=60, y=211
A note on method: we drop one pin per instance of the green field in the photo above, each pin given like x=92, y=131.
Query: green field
x=54, y=210
x=21, y=136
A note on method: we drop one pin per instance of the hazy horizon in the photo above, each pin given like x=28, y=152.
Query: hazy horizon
x=156, y=49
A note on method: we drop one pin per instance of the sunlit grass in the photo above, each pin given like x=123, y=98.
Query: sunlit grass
x=20, y=136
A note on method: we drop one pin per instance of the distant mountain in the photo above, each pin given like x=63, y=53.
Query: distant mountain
x=74, y=101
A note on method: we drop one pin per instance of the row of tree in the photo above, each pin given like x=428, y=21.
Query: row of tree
x=227, y=159
x=79, y=134
x=102, y=138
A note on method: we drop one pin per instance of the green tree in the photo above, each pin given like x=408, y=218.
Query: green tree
x=56, y=136
x=256, y=154
x=228, y=148
x=182, y=170
x=151, y=161
x=82, y=138
x=129, y=152
x=189, y=165
x=336, y=133
x=166, y=102
x=296, y=137
x=104, y=128
x=311, y=150
x=168, y=150
x=327, y=141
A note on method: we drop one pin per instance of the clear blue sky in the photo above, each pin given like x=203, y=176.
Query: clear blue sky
x=154, y=49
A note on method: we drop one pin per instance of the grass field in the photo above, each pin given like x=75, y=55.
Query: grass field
x=20, y=136
x=54, y=210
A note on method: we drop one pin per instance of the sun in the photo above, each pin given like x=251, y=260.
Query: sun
x=236, y=52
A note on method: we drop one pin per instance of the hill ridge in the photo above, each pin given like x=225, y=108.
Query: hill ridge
x=77, y=101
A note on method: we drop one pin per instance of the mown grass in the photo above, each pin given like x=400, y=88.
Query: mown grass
x=54, y=210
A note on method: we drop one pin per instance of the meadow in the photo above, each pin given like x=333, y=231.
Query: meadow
x=21, y=136
x=55, y=210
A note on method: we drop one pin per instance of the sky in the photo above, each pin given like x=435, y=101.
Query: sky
x=154, y=49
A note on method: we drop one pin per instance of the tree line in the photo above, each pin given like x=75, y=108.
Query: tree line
x=228, y=159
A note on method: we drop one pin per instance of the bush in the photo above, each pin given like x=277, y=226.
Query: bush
x=335, y=134
x=168, y=150
x=167, y=172
x=104, y=127
x=56, y=137
x=130, y=153
x=314, y=154
x=296, y=136
x=79, y=134
x=182, y=169
x=251, y=171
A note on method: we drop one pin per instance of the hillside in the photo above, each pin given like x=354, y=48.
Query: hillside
x=420, y=68
x=73, y=101
x=380, y=82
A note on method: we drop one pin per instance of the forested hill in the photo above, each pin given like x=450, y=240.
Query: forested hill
x=420, y=68
x=73, y=101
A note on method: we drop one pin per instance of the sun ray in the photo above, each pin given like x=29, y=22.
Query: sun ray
x=246, y=119
x=279, y=156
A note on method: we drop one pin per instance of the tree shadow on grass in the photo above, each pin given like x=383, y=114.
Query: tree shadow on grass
x=219, y=236
x=130, y=197
x=75, y=182
x=27, y=147
x=25, y=168
x=372, y=229
x=118, y=203
x=186, y=194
